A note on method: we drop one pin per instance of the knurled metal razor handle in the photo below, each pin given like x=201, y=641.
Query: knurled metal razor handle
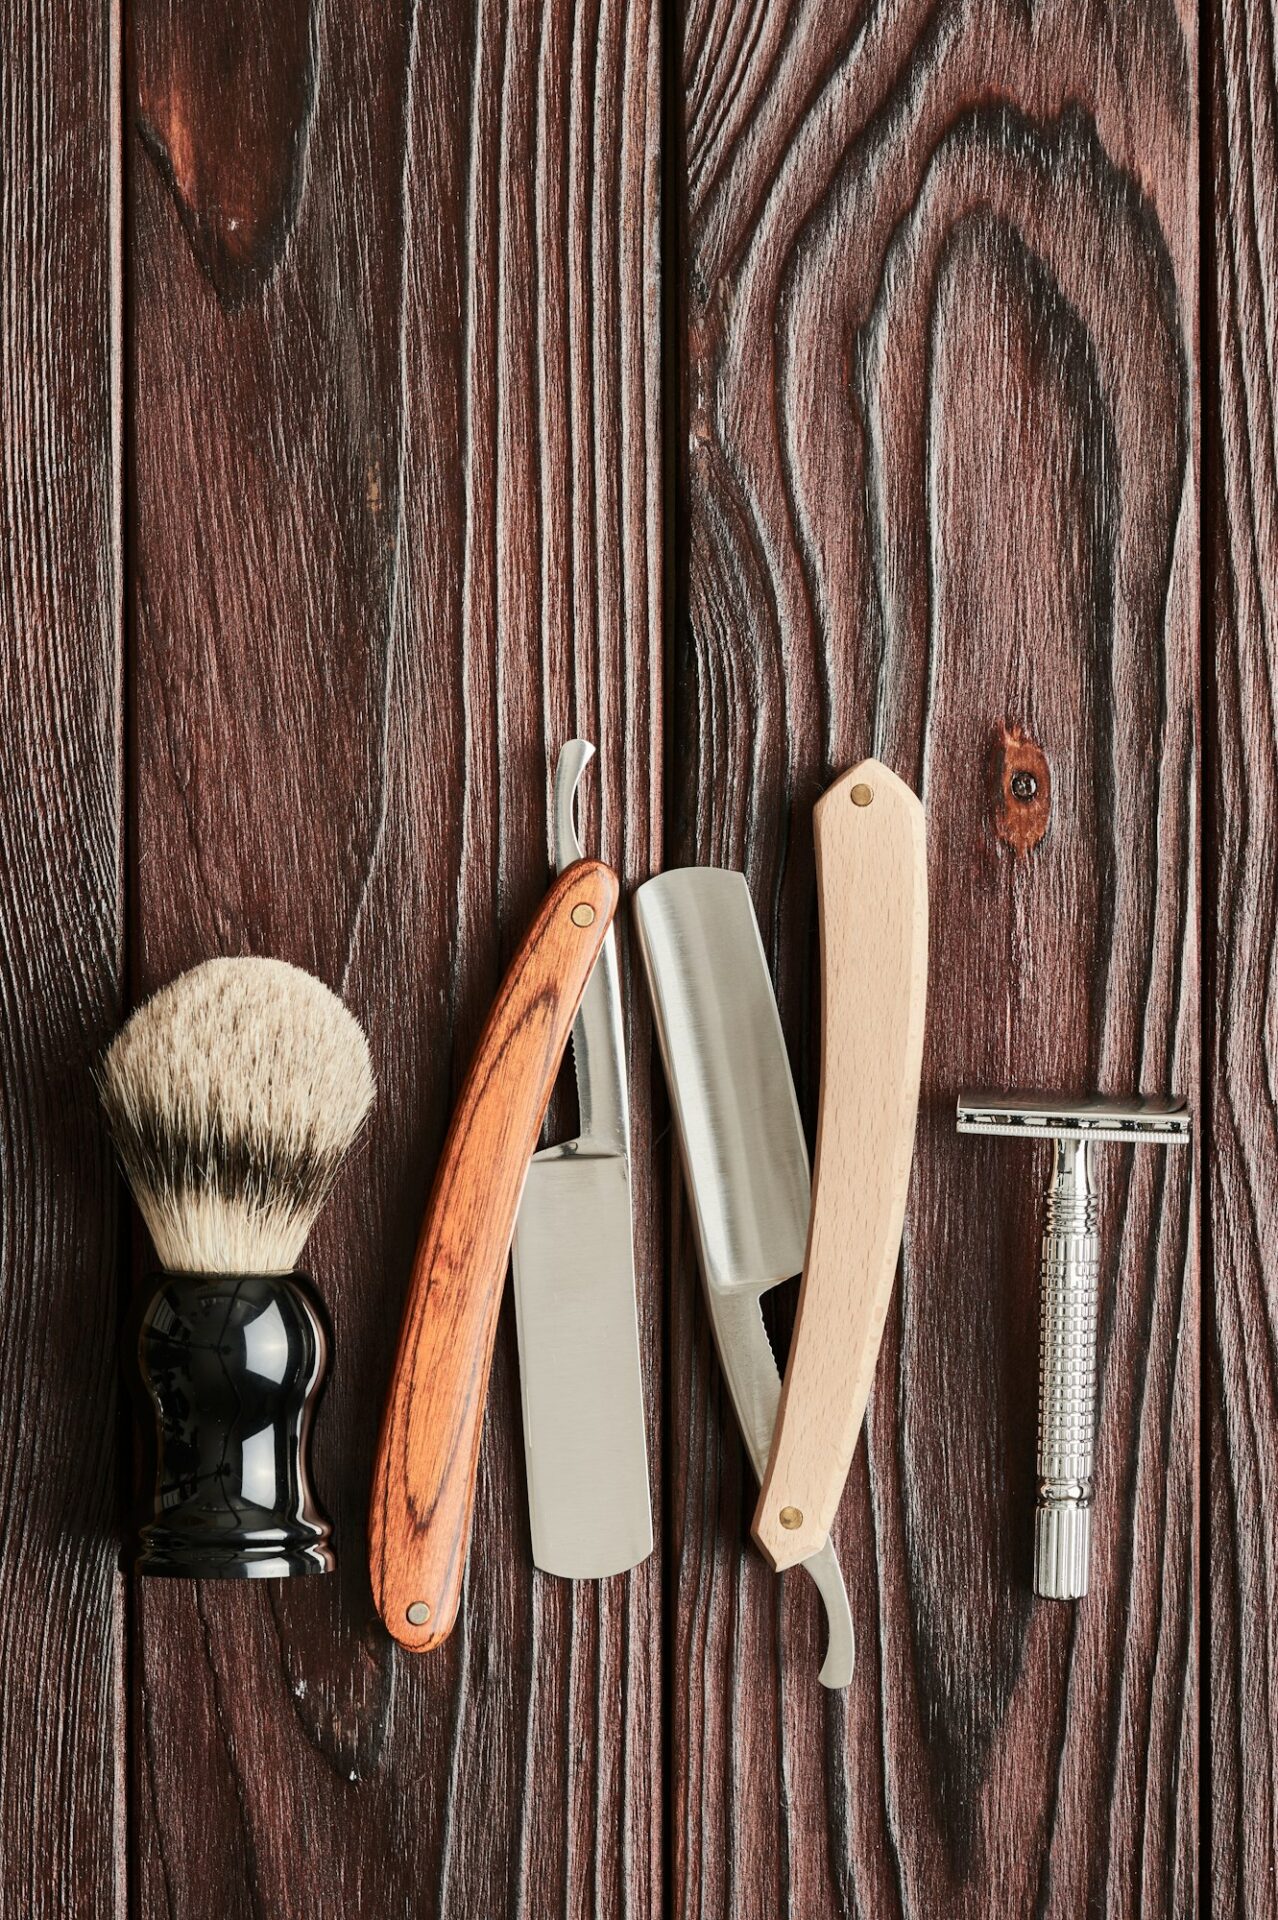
x=1070, y=1270
x=1067, y=1377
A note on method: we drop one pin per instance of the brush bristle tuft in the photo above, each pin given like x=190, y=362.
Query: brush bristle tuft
x=233, y=1096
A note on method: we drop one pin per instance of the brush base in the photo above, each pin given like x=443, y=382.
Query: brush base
x=230, y=1367
x=160, y=1560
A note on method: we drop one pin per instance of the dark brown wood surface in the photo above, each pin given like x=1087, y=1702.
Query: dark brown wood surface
x=394, y=367
x=1240, y=345
x=62, y=1601
x=381, y=346
x=939, y=289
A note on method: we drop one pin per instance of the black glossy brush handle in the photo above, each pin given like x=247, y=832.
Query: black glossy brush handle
x=230, y=1366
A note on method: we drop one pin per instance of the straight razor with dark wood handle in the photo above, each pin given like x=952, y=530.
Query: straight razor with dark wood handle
x=424, y=1478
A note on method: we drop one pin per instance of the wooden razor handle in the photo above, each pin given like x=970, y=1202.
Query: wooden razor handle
x=428, y=1453
x=871, y=862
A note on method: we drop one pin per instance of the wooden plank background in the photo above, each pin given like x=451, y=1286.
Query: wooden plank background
x=748, y=385
x=394, y=363
x=939, y=284
x=62, y=1601
x=1240, y=346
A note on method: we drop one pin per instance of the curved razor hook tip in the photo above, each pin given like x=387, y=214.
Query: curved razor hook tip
x=574, y=757
x=840, y=1651
x=840, y=1663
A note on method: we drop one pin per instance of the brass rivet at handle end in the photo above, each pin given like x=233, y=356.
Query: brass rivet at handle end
x=791, y=1518
x=582, y=915
x=860, y=796
x=418, y=1614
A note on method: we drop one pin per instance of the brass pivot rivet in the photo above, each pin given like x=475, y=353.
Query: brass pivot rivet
x=861, y=797
x=418, y=1614
x=790, y=1516
x=583, y=915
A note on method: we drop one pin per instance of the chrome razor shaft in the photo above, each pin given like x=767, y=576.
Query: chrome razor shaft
x=1076, y=1124
x=1067, y=1377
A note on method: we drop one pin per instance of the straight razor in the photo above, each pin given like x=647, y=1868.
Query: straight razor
x=744, y=1156
x=589, y=1506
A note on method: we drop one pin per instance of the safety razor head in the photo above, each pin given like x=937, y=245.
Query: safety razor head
x=1093, y=1117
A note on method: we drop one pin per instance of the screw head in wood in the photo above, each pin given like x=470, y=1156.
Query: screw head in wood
x=791, y=1518
x=418, y=1614
x=582, y=915
x=860, y=796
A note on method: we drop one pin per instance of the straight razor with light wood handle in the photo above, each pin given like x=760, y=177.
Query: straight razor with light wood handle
x=871, y=858
x=741, y=1141
x=427, y=1456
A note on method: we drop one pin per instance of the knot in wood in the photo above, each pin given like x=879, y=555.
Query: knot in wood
x=1022, y=786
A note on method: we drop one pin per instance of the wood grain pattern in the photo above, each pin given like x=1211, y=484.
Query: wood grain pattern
x=1241, y=488
x=395, y=440
x=870, y=843
x=394, y=532
x=423, y=1492
x=939, y=290
x=62, y=1799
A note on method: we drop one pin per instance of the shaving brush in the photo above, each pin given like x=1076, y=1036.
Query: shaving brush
x=233, y=1096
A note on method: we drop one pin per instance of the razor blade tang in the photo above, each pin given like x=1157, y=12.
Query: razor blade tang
x=598, y=1035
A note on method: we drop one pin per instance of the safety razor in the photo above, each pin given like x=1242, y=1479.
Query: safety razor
x=1070, y=1268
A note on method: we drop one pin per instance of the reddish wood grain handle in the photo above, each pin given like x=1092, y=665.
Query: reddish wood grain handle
x=424, y=1479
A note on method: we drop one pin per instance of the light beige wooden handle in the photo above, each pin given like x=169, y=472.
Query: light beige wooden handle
x=871, y=859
